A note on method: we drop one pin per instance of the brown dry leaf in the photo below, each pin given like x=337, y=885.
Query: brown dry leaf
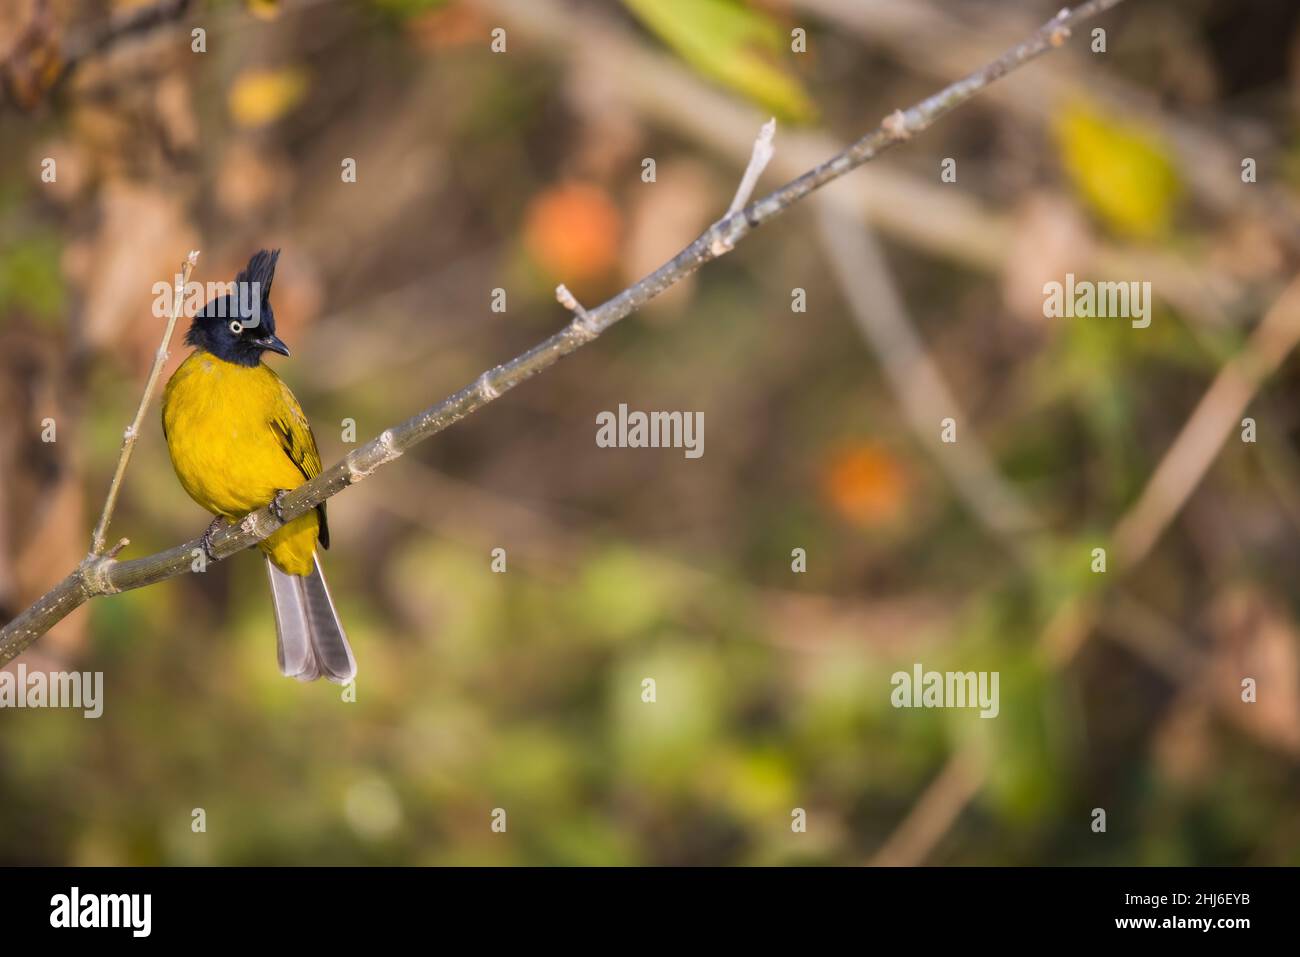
x=1254, y=638
x=30, y=52
x=572, y=231
x=175, y=110
x=248, y=180
x=865, y=484
x=73, y=167
x=143, y=235
x=106, y=136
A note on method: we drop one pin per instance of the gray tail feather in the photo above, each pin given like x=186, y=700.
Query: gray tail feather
x=309, y=639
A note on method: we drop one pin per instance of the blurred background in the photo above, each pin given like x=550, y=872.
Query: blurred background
x=478, y=170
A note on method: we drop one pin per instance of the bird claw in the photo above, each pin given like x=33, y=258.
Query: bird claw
x=207, y=538
x=276, y=506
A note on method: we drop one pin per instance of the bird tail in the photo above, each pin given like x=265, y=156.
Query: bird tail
x=309, y=638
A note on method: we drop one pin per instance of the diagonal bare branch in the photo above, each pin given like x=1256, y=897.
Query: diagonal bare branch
x=103, y=575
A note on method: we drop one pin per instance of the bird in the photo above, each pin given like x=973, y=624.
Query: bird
x=239, y=440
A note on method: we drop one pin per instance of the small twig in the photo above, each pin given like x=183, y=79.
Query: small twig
x=568, y=301
x=133, y=430
x=581, y=318
x=728, y=230
x=758, y=161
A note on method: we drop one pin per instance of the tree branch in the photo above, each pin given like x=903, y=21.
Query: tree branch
x=103, y=575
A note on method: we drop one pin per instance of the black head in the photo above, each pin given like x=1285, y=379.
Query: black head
x=240, y=325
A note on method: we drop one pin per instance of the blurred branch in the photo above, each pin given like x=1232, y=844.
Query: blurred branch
x=867, y=283
x=1218, y=413
x=1156, y=641
x=102, y=575
x=926, y=399
x=37, y=59
x=936, y=811
x=128, y=24
x=133, y=430
x=1175, y=478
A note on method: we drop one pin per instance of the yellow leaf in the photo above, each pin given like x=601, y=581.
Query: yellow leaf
x=259, y=97
x=1121, y=170
x=263, y=9
x=734, y=45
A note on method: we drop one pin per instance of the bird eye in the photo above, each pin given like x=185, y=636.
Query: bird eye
x=236, y=326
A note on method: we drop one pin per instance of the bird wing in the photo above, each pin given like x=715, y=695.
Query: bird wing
x=294, y=433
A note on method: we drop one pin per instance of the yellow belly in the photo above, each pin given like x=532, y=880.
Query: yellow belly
x=217, y=417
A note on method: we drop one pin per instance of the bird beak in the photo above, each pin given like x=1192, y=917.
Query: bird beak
x=273, y=343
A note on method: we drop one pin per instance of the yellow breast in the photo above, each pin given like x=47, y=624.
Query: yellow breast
x=218, y=418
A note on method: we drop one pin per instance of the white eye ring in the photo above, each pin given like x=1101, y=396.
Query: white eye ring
x=236, y=326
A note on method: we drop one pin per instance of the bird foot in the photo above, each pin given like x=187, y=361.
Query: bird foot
x=276, y=506
x=207, y=538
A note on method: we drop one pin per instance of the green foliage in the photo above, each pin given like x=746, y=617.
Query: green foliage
x=622, y=593
x=30, y=279
x=732, y=43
